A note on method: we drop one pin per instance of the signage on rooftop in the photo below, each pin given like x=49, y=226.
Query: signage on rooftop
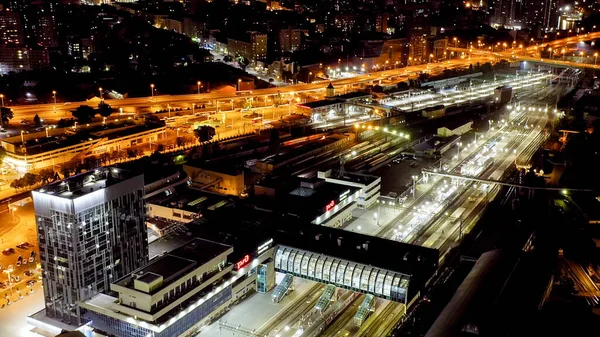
x=242, y=263
x=264, y=247
x=330, y=206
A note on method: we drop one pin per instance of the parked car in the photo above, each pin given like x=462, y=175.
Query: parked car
x=28, y=273
x=8, y=251
x=23, y=245
x=19, y=260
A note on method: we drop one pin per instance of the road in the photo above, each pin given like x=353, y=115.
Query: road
x=51, y=110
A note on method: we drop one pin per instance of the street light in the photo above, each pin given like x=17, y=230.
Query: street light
x=152, y=90
x=54, y=95
x=239, y=84
x=595, y=58
x=101, y=96
x=22, y=138
x=199, y=83
x=8, y=271
x=2, y=97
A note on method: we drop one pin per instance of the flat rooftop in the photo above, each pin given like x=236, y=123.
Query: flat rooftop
x=300, y=149
x=176, y=263
x=354, y=94
x=305, y=201
x=191, y=200
x=358, y=178
x=84, y=183
x=417, y=261
x=321, y=103
x=36, y=143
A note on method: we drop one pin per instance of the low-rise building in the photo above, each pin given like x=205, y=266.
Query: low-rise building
x=323, y=203
x=252, y=46
x=434, y=112
x=455, y=128
x=39, y=150
x=178, y=292
x=370, y=186
x=220, y=180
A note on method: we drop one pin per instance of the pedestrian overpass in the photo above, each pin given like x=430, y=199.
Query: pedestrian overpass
x=342, y=273
x=370, y=265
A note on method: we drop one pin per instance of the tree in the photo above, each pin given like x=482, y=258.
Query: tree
x=274, y=140
x=227, y=58
x=46, y=175
x=104, y=109
x=247, y=103
x=30, y=179
x=65, y=171
x=17, y=183
x=37, y=121
x=7, y=114
x=277, y=100
x=204, y=133
x=84, y=113
x=132, y=153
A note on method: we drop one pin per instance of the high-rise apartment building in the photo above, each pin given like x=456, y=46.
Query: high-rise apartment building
x=11, y=29
x=252, y=46
x=290, y=39
x=46, y=31
x=13, y=59
x=92, y=231
x=540, y=13
x=417, y=53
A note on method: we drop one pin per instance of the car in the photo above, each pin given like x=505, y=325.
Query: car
x=23, y=245
x=28, y=273
x=17, y=279
x=3, y=285
x=24, y=262
x=8, y=251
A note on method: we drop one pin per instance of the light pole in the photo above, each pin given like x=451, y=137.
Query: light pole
x=152, y=90
x=169, y=107
x=47, y=135
x=414, y=189
x=231, y=105
x=101, y=95
x=8, y=271
x=199, y=83
x=193, y=108
x=54, y=95
x=595, y=58
x=2, y=96
x=22, y=138
x=458, y=145
x=239, y=84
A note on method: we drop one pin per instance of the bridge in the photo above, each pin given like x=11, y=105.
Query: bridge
x=361, y=263
x=342, y=273
x=503, y=183
x=527, y=54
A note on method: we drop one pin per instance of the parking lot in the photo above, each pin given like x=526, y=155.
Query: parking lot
x=18, y=226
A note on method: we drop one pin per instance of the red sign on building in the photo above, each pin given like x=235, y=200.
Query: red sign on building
x=243, y=262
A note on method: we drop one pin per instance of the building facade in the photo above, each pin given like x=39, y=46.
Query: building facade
x=253, y=47
x=178, y=292
x=290, y=39
x=92, y=231
x=11, y=30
